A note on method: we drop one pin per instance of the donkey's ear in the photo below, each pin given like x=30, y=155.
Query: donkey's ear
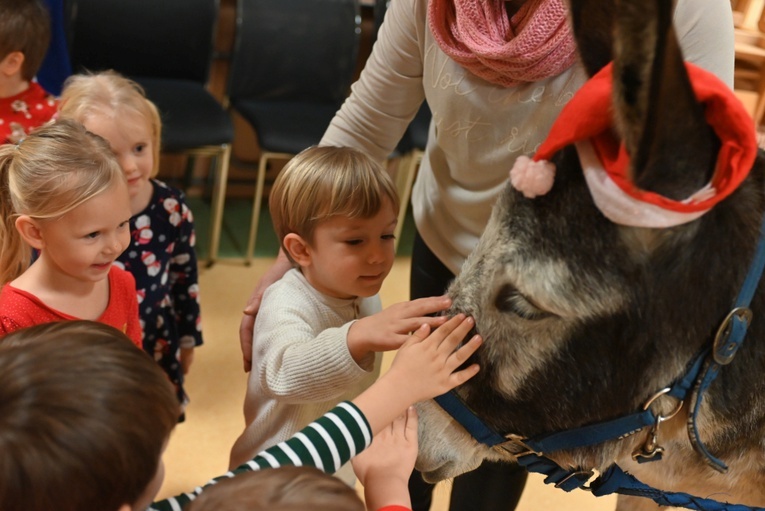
x=672, y=148
x=593, y=22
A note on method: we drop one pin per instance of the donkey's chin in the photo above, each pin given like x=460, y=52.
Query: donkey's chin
x=448, y=470
x=446, y=450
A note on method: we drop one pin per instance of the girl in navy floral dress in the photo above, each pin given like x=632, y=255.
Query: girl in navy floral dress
x=161, y=254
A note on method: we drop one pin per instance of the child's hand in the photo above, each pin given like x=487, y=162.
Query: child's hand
x=427, y=362
x=385, y=466
x=390, y=328
x=424, y=367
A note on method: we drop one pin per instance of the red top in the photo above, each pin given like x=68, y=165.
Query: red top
x=23, y=112
x=394, y=508
x=19, y=309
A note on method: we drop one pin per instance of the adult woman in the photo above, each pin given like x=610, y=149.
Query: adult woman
x=495, y=75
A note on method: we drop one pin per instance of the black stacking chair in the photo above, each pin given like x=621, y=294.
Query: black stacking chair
x=167, y=47
x=293, y=64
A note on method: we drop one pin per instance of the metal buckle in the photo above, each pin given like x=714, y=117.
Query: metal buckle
x=585, y=485
x=651, y=450
x=517, y=441
x=724, y=354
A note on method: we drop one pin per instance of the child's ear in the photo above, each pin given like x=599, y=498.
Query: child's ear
x=29, y=229
x=11, y=64
x=298, y=249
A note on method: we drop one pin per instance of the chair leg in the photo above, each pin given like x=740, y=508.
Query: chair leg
x=404, y=181
x=188, y=174
x=258, y=199
x=256, y=206
x=218, y=200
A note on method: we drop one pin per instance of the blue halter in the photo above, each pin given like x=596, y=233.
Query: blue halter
x=697, y=379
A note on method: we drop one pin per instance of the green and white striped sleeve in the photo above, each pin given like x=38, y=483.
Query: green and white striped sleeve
x=327, y=444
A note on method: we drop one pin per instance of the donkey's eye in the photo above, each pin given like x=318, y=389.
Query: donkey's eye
x=510, y=300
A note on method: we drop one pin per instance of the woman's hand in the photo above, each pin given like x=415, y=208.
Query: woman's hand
x=247, y=325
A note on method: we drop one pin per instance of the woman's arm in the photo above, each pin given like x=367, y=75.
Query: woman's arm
x=389, y=90
x=705, y=31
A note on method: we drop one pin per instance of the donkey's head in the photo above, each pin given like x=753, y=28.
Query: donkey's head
x=588, y=304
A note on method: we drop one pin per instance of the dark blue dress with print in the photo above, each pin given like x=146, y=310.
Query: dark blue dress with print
x=162, y=259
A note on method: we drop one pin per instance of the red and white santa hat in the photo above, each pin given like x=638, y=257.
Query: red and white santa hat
x=586, y=121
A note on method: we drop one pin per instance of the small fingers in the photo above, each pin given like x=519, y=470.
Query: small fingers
x=420, y=334
x=448, y=328
x=430, y=305
x=457, y=378
x=460, y=356
x=432, y=321
x=456, y=334
x=410, y=433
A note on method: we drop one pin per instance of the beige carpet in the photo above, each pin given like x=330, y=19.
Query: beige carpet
x=199, y=448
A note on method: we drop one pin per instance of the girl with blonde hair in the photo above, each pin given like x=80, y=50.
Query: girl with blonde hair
x=161, y=256
x=63, y=195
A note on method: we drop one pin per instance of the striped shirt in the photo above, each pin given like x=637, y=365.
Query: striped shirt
x=327, y=443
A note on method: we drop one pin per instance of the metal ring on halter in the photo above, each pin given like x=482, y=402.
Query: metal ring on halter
x=661, y=418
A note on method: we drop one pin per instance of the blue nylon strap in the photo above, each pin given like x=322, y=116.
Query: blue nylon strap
x=454, y=406
x=592, y=434
x=615, y=480
x=704, y=382
x=570, y=439
x=726, y=347
x=755, y=272
x=681, y=387
x=566, y=480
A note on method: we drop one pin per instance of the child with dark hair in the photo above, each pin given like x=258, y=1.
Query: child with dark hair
x=24, y=37
x=85, y=417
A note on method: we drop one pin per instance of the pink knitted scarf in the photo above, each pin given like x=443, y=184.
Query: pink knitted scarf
x=536, y=43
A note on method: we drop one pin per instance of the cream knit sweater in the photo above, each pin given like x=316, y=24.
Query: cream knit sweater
x=301, y=367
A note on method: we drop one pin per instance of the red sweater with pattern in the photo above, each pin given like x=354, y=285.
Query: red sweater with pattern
x=23, y=112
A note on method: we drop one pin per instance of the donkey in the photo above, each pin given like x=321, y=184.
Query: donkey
x=591, y=309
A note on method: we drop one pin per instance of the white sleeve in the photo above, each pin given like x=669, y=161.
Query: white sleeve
x=705, y=31
x=389, y=90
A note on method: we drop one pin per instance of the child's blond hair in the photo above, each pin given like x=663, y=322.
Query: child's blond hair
x=25, y=27
x=279, y=489
x=55, y=169
x=84, y=418
x=322, y=182
x=110, y=94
